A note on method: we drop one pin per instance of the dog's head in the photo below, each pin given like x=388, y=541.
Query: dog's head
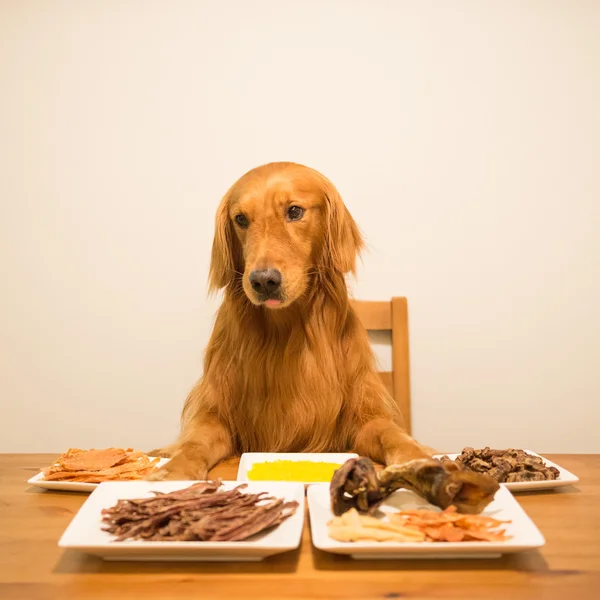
x=277, y=226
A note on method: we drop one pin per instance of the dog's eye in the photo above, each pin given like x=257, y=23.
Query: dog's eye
x=295, y=213
x=242, y=221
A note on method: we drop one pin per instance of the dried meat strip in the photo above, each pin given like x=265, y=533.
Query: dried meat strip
x=200, y=512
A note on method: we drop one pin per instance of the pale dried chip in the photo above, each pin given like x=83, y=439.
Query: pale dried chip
x=353, y=527
x=416, y=526
x=343, y=533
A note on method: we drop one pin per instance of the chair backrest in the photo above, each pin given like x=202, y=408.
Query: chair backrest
x=391, y=316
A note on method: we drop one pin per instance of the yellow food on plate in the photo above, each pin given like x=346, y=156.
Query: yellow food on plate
x=292, y=470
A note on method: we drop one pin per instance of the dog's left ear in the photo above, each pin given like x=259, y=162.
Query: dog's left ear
x=343, y=239
x=225, y=256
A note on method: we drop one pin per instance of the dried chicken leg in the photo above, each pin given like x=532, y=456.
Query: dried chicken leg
x=356, y=485
x=470, y=492
x=451, y=465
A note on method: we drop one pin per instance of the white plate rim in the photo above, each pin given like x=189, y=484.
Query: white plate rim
x=565, y=477
x=73, y=537
x=402, y=550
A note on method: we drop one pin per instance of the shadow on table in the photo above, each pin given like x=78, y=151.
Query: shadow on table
x=567, y=489
x=32, y=489
x=73, y=562
x=531, y=562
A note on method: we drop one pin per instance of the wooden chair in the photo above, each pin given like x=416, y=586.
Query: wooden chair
x=391, y=316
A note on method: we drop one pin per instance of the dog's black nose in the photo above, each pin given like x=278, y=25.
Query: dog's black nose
x=265, y=282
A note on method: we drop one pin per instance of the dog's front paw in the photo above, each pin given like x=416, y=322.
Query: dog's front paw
x=166, y=452
x=175, y=472
x=159, y=475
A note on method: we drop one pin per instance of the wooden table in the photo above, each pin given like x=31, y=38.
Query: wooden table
x=32, y=567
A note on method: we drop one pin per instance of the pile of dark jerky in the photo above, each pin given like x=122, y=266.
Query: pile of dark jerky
x=200, y=512
x=505, y=466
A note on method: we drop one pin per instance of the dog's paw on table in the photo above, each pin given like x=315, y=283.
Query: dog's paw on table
x=171, y=472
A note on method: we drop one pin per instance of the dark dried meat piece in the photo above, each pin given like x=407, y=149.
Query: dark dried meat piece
x=525, y=476
x=479, y=465
x=199, y=512
x=498, y=474
x=504, y=465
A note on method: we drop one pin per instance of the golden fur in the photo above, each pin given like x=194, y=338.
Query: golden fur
x=299, y=376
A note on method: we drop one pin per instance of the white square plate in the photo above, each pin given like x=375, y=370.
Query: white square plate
x=249, y=458
x=525, y=534
x=85, y=533
x=73, y=486
x=565, y=477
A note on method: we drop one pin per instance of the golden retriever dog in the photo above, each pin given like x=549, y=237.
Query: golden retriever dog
x=289, y=367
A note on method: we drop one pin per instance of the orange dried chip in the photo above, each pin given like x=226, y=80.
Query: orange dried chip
x=450, y=526
x=94, y=460
x=95, y=466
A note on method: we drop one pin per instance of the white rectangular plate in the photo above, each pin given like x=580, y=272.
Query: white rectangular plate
x=525, y=534
x=249, y=458
x=72, y=486
x=85, y=533
x=565, y=477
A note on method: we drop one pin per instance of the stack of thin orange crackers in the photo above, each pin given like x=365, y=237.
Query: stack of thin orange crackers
x=96, y=466
x=417, y=526
x=451, y=526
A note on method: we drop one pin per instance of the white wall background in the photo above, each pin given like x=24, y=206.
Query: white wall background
x=464, y=137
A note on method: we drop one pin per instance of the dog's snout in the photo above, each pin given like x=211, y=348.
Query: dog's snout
x=265, y=282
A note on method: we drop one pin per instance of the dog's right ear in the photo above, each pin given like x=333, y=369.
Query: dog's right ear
x=224, y=263
x=343, y=239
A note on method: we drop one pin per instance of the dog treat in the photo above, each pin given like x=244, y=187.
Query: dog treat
x=200, y=512
x=353, y=527
x=417, y=526
x=505, y=466
x=357, y=485
x=293, y=470
x=95, y=466
x=451, y=526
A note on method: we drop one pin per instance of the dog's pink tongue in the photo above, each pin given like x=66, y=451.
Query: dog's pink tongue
x=273, y=302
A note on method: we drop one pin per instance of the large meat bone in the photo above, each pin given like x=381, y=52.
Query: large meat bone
x=357, y=485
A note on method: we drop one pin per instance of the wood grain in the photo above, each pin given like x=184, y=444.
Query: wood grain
x=400, y=358
x=32, y=567
x=392, y=316
x=387, y=378
x=374, y=315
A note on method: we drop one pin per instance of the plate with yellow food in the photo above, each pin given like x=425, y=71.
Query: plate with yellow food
x=82, y=470
x=297, y=467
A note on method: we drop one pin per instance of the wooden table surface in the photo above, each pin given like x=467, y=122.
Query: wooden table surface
x=32, y=567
